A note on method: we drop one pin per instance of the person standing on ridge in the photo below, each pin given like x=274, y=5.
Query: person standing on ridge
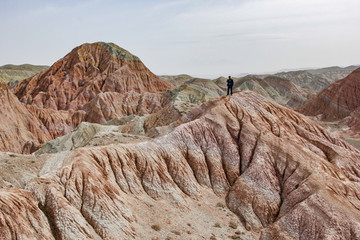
x=230, y=84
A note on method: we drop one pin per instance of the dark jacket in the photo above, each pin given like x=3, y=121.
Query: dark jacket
x=230, y=82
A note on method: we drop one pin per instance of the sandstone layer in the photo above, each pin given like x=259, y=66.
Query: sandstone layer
x=20, y=131
x=337, y=101
x=284, y=177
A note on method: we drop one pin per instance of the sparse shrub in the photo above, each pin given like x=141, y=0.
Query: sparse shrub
x=176, y=232
x=233, y=225
x=217, y=225
x=212, y=238
x=156, y=227
x=189, y=224
x=235, y=237
x=220, y=205
x=193, y=99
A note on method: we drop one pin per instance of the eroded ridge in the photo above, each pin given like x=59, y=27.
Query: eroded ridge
x=283, y=175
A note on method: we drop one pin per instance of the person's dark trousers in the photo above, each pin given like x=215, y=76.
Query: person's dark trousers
x=229, y=90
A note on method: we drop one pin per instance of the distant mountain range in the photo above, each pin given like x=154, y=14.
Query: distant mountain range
x=14, y=73
x=317, y=79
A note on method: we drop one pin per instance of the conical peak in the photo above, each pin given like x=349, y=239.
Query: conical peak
x=122, y=53
x=114, y=50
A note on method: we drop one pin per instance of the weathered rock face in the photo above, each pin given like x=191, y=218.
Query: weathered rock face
x=20, y=217
x=18, y=169
x=336, y=101
x=85, y=72
x=283, y=175
x=109, y=105
x=58, y=122
x=20, y=131
x=353, y=123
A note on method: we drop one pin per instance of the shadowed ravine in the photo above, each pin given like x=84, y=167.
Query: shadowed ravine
x=283, y=175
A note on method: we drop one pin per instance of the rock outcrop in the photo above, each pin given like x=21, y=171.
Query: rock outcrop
x=110, y=105
x=284, y=176
x=20, y=131
x=20, y=217
x=85, y=72
x=58, y=122
x=337, y=101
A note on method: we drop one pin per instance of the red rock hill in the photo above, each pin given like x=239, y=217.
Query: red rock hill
x=85, y=72
x=336, y=101
x=94, y=82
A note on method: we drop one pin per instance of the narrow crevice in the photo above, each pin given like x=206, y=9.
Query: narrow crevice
x=209, y=170
x=253, y=207
x=253, y=151
x=167, y=160
x=187, y=158
x=122, y=171
x=280, y=178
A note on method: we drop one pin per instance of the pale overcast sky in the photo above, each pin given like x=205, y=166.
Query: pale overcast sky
x=198, y=37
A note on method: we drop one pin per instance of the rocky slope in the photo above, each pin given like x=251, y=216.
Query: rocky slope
x=14, y=73
x=337, y=101
x=85, y=72
x=20, y=131
x=281, y=174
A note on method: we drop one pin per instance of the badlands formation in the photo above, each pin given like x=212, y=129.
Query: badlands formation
x=167, y=158
x=338, y=100
x=338, y=105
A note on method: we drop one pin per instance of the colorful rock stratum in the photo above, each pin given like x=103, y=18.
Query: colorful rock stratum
x=240, y=167
x=337, y=101
x=20, y=131
x=85, y=72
